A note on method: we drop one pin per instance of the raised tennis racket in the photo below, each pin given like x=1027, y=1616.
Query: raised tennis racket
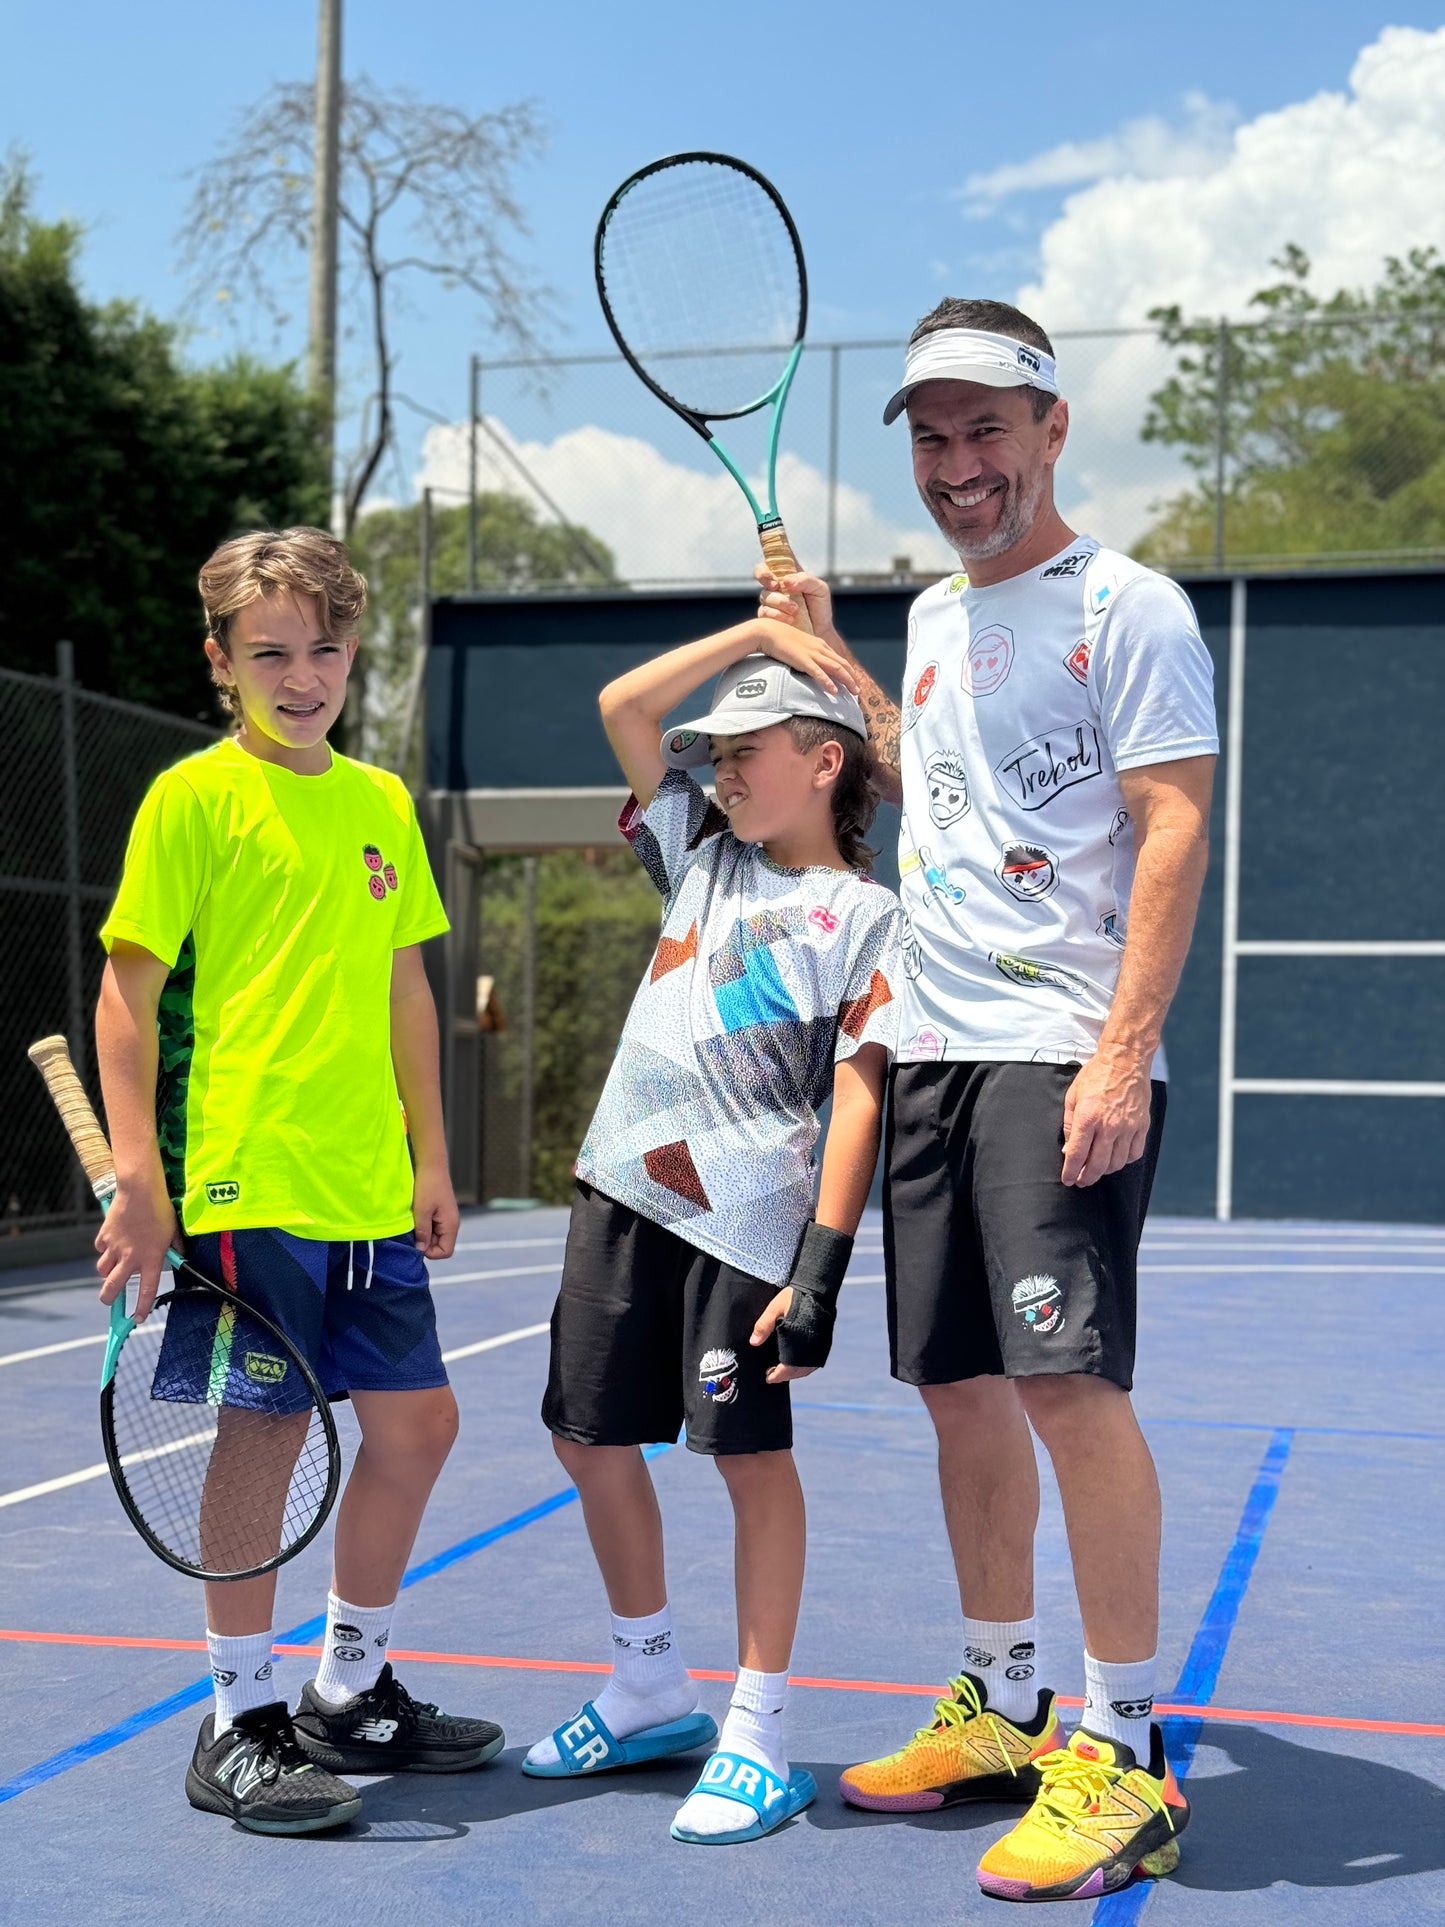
x=701, y=275
x=219, y=1440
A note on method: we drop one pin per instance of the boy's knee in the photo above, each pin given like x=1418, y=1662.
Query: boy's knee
x=572, y=1456
x=751, y=1471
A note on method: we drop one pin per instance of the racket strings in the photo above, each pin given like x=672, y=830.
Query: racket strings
x=223, y=1452
x=698, y=263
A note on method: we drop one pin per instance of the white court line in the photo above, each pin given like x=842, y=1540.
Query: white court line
x=49, y=1351
x=508, y=1244
x=1250, y=1271
x=1301, y=1250
x=195, y=1438
x=517, y=1271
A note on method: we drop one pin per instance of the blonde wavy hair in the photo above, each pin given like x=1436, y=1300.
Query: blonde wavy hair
x=267, y=562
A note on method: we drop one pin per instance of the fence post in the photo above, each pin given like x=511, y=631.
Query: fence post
x=1229, y=947
x=527, y=1120
x=1221, y=437
x=75, y=987
x=835, y=360
x=474, y=393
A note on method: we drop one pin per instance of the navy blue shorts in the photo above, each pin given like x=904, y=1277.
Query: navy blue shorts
x=360, y=1314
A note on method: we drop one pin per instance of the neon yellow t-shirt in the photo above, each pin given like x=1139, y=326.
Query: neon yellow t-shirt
x=278, y=901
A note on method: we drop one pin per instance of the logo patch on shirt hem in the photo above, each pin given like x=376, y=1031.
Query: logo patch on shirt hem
x=227, y=1193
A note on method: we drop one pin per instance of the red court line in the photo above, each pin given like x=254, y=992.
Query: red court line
x=1253, y=1716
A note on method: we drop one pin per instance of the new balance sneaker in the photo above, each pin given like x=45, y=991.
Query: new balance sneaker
x=1099, y=1818
x=385, y=1730
x=969, y=1753
x=256, y=1775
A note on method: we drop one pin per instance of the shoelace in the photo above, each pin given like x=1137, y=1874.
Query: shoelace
x=1073, y=1788
x=961, y=1710
x=276, y=1747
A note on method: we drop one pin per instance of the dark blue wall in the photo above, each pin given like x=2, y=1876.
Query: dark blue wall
x=1343, y=837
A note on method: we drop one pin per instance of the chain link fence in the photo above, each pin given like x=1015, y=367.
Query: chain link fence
x=1313, y=440
x=75, y=767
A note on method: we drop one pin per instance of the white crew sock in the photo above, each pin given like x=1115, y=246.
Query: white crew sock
x=1119, y=1702
x=753, y=1729
x=1003, y=1655
x=355, y=1649
x=649, y=1686
x=241, y=1669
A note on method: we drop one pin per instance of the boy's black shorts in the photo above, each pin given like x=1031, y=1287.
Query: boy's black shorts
x=993, y=1264
x=649, y=1332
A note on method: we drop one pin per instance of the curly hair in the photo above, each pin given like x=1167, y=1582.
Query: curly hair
x=266, y=562
x=854, y=795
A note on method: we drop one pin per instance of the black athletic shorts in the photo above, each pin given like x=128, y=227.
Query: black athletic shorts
x=994, y=1265
x=649, y=1332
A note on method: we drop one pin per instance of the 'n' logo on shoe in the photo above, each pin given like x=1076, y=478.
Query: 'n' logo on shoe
x=376, y=1730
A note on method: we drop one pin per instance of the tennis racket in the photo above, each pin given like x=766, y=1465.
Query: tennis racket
x=219, y=1440
x=701, y=276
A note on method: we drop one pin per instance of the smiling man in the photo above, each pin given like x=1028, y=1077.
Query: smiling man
x=1056, y=748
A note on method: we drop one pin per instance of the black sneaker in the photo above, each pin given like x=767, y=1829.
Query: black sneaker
x=385, y=1730
x=256, y=1775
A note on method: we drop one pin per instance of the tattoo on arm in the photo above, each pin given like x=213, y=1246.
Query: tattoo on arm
x=884, y=728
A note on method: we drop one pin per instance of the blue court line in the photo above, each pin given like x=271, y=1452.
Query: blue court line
x=148, y=1716
x=1204, y=1424
x=1200, y=1673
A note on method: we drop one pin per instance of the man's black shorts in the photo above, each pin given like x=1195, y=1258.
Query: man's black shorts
x=994, y=1265
x=649, y=1332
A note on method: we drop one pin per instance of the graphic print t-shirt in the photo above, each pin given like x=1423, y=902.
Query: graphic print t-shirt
x=763, y=979
x=278, y=900
x=1022, y=703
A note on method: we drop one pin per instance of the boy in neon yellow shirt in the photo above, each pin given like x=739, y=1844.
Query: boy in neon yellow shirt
x=265, y=980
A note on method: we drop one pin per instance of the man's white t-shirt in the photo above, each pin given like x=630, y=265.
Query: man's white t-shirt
x=1021, y=703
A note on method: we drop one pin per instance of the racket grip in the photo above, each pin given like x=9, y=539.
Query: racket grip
x=778, y=554
x=51, y=1057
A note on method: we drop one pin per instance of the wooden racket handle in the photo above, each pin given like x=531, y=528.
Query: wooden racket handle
x=51, y=1057
x=778, y=554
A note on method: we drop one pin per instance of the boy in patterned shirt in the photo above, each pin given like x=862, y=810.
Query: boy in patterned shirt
x=699, y=1278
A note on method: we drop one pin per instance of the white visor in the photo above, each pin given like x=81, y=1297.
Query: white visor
x=968, y=354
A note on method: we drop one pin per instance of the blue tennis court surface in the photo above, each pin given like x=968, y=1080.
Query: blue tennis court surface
x=1289, y=1382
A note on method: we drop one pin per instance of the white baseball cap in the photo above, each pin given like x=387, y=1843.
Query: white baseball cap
x=971, y=354
x=754, y=694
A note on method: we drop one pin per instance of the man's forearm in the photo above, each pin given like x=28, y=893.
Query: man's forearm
x=884, y=726
x=1168, y=877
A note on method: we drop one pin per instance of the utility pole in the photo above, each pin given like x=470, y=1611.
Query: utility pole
x=321, y=352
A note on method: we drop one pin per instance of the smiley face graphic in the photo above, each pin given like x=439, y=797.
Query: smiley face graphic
x=990, y=657
x=1027, y=871
x=947, y=780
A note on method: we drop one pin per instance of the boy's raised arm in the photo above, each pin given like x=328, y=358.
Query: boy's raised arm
x=140, y=1224
x=634, y=705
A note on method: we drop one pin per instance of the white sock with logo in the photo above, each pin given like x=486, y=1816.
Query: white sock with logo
x=753, y=1730
x=355, y=1649
x=1003, y=1655
x=1119, y=1702
x=649, y=1686
x=241, y=1671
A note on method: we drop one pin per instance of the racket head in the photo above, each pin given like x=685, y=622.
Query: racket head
x=701, y=277
x=220, y=1441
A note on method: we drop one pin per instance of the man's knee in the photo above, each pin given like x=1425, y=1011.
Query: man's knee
x=574, y=1457
x=1063, y=1405
x=969, y=1404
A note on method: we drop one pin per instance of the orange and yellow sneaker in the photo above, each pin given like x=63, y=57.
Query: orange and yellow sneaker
x=969, y=1753
x=1099, y=1819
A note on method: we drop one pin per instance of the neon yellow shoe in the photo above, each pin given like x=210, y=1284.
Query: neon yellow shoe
x=1099, y=1818
x=969, y=1753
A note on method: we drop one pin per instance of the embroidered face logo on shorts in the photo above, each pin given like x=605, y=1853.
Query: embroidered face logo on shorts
x=718, y=1376
x=947, y=781
x=1039, y=1302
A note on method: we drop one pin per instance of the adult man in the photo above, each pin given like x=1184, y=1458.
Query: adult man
x=1053, y=755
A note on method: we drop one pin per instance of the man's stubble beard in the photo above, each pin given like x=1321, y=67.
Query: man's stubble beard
x=1021, y=510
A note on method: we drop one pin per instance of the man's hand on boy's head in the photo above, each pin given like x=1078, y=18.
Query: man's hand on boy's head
x=776, y=1312
x=435, y=1213
x=783, y=597
x=135, y=1234
x=815, y=656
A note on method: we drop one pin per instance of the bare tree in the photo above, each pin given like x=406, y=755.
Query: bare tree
x=426, y=191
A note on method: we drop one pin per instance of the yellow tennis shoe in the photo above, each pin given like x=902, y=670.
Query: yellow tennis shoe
x=969, y=1753
x=1098, y=1819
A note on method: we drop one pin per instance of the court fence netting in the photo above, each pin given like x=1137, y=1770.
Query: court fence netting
x=76, y=765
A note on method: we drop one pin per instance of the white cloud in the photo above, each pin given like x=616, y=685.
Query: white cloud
x=1146, y=149
x=1349, y=176
x=667, y=523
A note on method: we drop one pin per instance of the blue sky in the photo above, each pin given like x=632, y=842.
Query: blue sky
x=871, y=121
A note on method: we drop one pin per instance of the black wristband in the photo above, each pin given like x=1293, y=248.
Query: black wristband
x=805, y=1337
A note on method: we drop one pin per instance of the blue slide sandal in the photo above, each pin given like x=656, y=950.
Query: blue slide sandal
x=733, y=1778
x=585, y=1745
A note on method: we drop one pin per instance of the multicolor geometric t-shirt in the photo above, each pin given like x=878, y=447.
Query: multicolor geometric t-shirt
x=763, y=979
